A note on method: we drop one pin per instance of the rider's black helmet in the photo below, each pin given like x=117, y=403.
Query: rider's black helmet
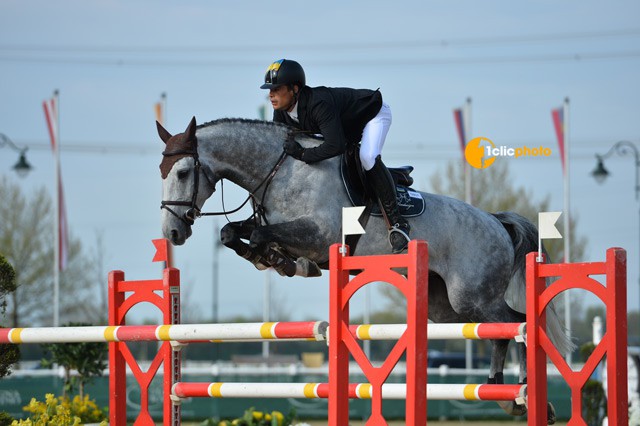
x=283, y=71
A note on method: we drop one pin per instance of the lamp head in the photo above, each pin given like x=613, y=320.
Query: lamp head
x=600, y=174
x=22, y=167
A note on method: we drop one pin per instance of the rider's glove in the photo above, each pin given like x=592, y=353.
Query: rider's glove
x=293, y=148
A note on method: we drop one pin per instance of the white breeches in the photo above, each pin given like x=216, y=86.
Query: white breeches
x=373, y=136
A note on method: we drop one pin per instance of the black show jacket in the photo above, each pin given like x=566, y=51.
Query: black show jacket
x=339, y=114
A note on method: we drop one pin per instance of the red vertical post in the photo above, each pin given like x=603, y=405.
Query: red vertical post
x=117, y=365
x=412, y=343
x=168, y=302
x=536, y=356
x=618, y=398
x=613, y=344
x=338, y=353
x=417, y=320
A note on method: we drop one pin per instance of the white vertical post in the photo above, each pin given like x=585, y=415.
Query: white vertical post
x=215, y=293
x=266, y=310
x=468, y=198
x=567, y=218
x=56, y=224
x=596, y=330
x=466, y=118
x=163, y=101
x=216, y=276
x=366, y=319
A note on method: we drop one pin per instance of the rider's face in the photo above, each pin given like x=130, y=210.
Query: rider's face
x=281, y=97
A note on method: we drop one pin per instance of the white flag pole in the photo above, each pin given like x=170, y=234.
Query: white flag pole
x=343, y=249
x=466, y=123
x=56, y=262
x=468, y=345
x=566, y=221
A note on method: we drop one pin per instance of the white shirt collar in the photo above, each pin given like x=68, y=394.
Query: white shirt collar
x=294, y=113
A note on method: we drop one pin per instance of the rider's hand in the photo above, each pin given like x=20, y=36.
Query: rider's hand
x=293, y=148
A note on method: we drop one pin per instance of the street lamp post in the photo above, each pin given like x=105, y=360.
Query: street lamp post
x=22, y=167
x=600, y=174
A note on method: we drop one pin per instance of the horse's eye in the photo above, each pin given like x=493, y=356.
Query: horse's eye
x=183, y=174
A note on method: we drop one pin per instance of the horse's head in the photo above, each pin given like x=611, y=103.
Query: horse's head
x=185, y=184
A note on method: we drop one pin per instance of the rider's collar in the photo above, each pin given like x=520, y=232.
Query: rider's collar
x=294, y=113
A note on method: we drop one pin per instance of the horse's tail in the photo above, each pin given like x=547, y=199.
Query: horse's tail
x=524, y=236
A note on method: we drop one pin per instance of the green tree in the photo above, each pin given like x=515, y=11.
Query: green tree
x=88, y=359
x=26, y=240
x=9, y=354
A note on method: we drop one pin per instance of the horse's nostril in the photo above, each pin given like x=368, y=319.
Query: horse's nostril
x=174, y=235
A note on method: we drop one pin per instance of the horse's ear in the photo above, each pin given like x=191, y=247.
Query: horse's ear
x=191, y=129
x=164, y=135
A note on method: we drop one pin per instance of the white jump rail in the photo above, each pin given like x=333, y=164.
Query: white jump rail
x=435, y=391
x=246, y=332
x=252, y=332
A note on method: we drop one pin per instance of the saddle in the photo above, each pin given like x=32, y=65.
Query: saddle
x=410, y=201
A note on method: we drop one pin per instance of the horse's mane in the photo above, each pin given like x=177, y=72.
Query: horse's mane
x=269, y=124
x=244, y=121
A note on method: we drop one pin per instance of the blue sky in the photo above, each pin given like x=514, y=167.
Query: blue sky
x=111, y=60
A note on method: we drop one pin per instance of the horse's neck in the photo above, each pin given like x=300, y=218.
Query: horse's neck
x=242, y=152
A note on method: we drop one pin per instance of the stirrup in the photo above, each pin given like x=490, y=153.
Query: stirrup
x=402, y=231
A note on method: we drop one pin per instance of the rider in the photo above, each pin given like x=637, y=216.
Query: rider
x=344, y=117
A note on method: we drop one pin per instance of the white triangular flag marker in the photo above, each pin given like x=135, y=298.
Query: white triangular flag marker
x=547, y=229
x=350, y=223
x=547, y=225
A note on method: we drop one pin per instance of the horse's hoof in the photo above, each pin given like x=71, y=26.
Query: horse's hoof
x=551, y=414
x=307, y=268
x=261, y=266
x=513, y=409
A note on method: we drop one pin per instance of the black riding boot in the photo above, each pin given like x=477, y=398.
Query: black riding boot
x=385, y=189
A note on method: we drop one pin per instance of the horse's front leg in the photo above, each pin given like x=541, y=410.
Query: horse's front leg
x=231, y=236
x=268, y=240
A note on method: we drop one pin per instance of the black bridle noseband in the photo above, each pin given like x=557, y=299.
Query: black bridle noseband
x=193, y=212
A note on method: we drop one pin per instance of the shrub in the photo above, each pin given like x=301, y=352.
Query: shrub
x=5, y=419
x=89, y=359
x=62, y=412
x=255, y=418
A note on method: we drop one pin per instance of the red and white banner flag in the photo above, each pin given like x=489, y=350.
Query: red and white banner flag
x=557, y=115
x=460, y=120
x=51, y=114
x=159, y=113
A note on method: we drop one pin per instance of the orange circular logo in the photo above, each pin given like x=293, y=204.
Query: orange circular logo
x=476, y=153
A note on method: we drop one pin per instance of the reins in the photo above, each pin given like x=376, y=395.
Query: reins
x=191, y=214
x=258, y=207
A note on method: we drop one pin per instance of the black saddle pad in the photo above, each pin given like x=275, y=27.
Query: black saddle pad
x=410, y=202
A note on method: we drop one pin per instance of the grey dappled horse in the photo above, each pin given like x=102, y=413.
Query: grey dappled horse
x=476, y=259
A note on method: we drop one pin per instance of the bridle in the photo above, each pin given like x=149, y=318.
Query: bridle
x=193, y=212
